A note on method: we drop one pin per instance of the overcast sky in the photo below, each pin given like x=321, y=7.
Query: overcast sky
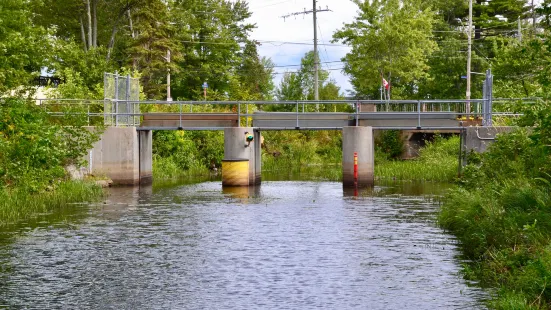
x=271, y=27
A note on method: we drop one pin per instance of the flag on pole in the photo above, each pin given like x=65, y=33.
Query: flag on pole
x=386, y=84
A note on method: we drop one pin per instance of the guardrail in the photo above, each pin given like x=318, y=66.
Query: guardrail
x=130, y=113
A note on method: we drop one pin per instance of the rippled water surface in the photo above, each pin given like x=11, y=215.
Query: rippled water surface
x=285, y=245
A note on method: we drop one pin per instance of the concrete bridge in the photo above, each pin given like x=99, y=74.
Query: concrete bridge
x=124, y=152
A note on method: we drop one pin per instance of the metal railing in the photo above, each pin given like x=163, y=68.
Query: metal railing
x=245, y=111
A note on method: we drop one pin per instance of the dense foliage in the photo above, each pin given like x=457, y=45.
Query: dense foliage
x=502, y=215
x=34, y=148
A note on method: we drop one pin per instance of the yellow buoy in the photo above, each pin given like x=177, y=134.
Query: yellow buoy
x=235, y=172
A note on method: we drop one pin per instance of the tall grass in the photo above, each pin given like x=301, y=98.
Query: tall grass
x=166, y=168
x=501, y=214
x=293, y=151
x=17, y=204
x=437, y=162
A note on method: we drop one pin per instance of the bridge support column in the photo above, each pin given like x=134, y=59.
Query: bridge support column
x=236, y=147
x=146, y=156
x=124, y=155
x=358, y=140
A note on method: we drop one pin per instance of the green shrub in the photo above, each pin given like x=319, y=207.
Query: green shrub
x=34, y=148
x=390, y=142
x=501, y=214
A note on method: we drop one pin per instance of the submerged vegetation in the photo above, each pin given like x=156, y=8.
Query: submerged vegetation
x=501, y=213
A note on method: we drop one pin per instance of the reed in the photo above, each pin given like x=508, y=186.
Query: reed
x=166, y=168
x=437, y=162
x=17, y=204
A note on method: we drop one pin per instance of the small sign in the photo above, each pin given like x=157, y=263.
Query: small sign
x=463, y=76
x=205, y=85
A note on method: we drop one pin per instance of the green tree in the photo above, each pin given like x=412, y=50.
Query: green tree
x=153, y=40
x=211, y=32
x=255, y=74
x=24, y=47
x=389, y=38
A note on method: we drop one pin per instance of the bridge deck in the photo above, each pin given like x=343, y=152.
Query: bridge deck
x=190, y=120
x=293, y=120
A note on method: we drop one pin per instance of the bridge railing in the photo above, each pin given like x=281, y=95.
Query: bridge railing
x=245, y=111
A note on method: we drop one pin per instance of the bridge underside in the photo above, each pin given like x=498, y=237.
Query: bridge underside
x=305, y=121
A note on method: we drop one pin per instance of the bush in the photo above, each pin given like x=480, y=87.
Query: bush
x=501, y=213
x=390, y=143
x=34, y=149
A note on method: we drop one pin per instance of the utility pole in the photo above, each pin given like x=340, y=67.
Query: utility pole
x=316, y=61
x=468, y=103
x=314, y=11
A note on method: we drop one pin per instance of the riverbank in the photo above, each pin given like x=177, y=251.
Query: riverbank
x=501, y=214
x=17, y=205
x=35, y=150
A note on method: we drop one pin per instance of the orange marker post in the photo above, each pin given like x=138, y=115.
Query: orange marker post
x=355, y=167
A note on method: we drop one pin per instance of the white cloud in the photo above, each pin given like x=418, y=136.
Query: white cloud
x=271, y=27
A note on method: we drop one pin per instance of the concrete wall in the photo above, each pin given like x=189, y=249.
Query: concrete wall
x=235, y=147
x=146, y=156
x=117, y=155
x=360, y=140
x=478, y=139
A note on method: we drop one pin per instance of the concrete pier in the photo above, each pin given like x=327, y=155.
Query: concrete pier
x=478, y=139
x=124, y=155
x=236, y=147
x=146, y=156
x=358, y=140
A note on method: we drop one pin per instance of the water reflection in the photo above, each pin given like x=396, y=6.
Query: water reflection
x=290, y=245
x=243, y=193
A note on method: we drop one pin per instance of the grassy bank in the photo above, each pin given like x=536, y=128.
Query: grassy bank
x=437, y=162
x=17, y=205
x=34, y=149
x=501, y=214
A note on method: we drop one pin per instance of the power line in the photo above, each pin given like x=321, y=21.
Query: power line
x=275, y=43
x=314, y=12
x=325, y=49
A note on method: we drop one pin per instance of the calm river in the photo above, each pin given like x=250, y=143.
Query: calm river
x=285, y=245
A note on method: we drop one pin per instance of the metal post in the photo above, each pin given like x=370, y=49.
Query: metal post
x=468, y=93
x=116, y=99
x=490, y=96
x=127, y=98
x=297, y=116
x=485, y=102
x=180, y=107
x=357, y=114
x=247, y=115
x=459, y=160
x=239, y=114
x=418, y=114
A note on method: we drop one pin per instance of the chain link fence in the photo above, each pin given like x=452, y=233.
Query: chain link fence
x=121, y=95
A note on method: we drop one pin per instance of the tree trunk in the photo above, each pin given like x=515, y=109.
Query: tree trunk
x=130, y=24
x=94, y=23
x=89, y=15
x=112, y=41
x=82, y=34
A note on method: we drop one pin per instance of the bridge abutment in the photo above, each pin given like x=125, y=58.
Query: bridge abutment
x=236, y=147
x=124, y=155
x=358, y=140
